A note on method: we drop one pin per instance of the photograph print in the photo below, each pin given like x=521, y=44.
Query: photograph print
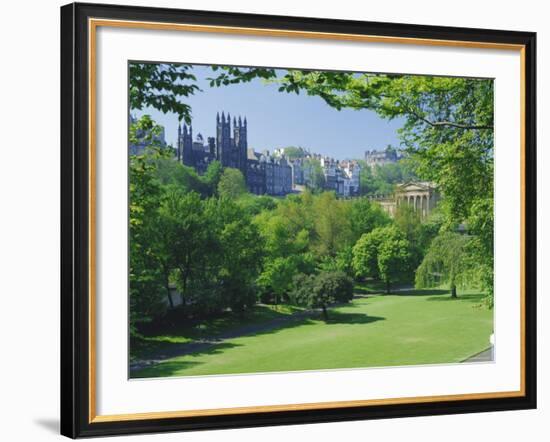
x=287, y=220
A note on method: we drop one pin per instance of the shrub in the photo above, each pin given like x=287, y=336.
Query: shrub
x=319, y=291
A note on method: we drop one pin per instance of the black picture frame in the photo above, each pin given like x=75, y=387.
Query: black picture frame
x=75, y=221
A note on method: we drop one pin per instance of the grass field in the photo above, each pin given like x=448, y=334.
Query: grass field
x=418, y=327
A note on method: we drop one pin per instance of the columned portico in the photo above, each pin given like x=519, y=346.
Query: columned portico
x=421, y=196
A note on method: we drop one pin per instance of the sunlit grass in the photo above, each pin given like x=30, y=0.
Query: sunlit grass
x=420, y=327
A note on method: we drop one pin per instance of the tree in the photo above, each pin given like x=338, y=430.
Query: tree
x=448, y=129
x=448, y=121
x=366, y=178
x=161, y=86
x=241, y=254
x=255, y=204
x=145, y=130
x=447, y=261
x=365, y=216
x=293, y=152
x=319, y=291
x=408, y=221
x=316, y=176
x=301, y=288
x=332, y=224
x=145, y=275
x=394, y=258
x=212, y=177
x=232, y=184
x=481, y=245
x=381, y=179
x=187, y=241
x=383, y=254
x=365, y=254
x=277, y=276
x=288, y=228
x=343, y=261
x=170, y=172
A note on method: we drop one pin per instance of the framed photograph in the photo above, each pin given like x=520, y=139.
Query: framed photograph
x=273, y=220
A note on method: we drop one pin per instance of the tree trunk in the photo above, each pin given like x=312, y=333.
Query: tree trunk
x=184, y=288
x=325, y=313
x=167, y=287
x=170, y=300
x=388, y=286
x=453, y=291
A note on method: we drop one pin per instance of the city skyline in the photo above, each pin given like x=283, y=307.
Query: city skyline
x=281, y=119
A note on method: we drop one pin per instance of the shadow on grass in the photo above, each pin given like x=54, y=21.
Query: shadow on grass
x=157, y=339
x=421, y=292
x=163, y=364
x=157, y=352
x=351, y=318
x=474, y=298
x=170, y=367
x=144, y=349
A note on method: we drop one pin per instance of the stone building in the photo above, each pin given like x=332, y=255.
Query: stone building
x=341, y=177
x=351, y=174
x=298, y=172
x=421, y=196
x=194, y=153
x=331, y=171
x=229, y=151
x=278, y=174
x=145, y=139
x=255, y=173
x=264, y=174
x=381, y=157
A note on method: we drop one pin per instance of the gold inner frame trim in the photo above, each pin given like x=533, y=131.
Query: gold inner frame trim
x=93, y=24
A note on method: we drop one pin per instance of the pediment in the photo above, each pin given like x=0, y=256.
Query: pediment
x=414, y=187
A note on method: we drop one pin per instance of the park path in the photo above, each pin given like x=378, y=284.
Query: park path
x=484, y=356
x=203, y=344
x=207, y=343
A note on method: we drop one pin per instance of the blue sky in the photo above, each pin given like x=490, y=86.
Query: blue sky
x=278, y=119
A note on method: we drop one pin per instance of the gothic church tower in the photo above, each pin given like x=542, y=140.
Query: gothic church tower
x=231, y=151
x=185, y=145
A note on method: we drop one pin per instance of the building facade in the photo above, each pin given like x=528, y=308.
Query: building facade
x=342, y=177
x=278, y=174
x=263, y=173
x=381, y=157
x=351, y=174
x=145, y=139
x=194, y=153
x=421, y=196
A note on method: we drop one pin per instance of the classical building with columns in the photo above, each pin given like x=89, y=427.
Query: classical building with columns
x=421, y=196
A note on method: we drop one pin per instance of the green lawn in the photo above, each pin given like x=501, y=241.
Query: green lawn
x=420, y=327
x=165, y=338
